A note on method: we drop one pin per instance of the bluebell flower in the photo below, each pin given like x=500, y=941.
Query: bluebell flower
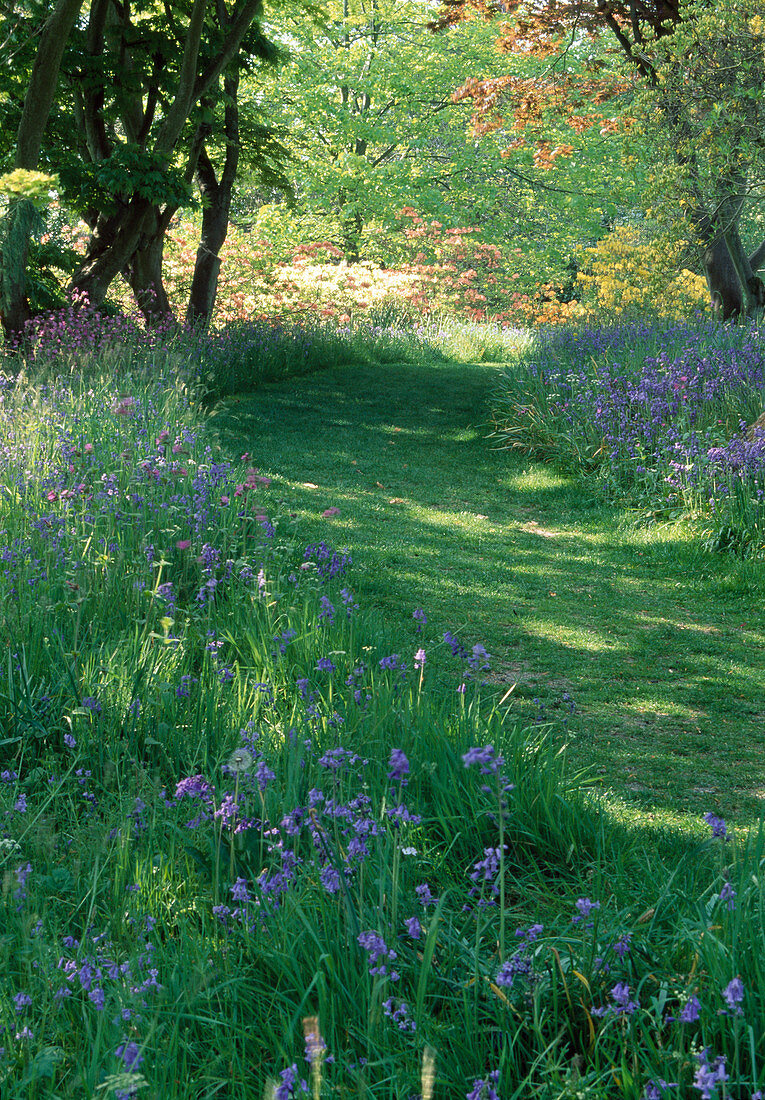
x=330, y=879
x=485, y=1088
x=399, y=767
x=655, y=1090
x=734, y=995
x=424, y=895
x=130, y=1054
x=717, y=825
x=691, y=1011
x=708, y=1077
x=399, y=1012
x=584, y=906
x=413, y=927
x=21, y=1001
x=728, y=894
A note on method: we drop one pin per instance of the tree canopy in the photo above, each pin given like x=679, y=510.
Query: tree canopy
x=695, y=73
x=547, y=121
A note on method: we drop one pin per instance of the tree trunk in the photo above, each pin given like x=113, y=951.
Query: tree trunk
x=216, y=195
x=14, y=307
x=144, y=274
x=735, y=289
x=144, y=271
x=14, y=250
x=724, y=286
x=204, y=285
x=113, y=244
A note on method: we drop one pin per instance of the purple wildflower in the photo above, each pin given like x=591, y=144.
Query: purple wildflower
x=420, y=618
x=330, y=879
x=518, y=965
x=21, y=1001
x=655, y=1090
x=708, y=1077
x=379, y=954
x=413, y=927
x=239, y=891
x=399, y=767
x=195, y=786
x=584, y=906
x=691, y=1011
x=717, y=825
x=424, y=895
x=399, y=1012
x=728, y=894
x=485, y=1088
x=130, y=1054
x=289, y=1081
x=327, y=610
x=734, y=995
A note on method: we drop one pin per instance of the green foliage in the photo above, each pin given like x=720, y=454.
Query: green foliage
x=33, y=186
x=128, y=172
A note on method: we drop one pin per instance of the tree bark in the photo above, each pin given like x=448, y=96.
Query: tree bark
x=144, y=271
x=735, y=289
x=38, y=101
x=113, y=243
x=216, y=195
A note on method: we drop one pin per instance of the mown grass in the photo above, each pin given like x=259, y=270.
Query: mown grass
x=658, y=643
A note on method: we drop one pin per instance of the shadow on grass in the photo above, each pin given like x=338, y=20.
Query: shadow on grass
x=659, y=647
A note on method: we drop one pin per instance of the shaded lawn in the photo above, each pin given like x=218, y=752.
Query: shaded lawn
x=660, y=646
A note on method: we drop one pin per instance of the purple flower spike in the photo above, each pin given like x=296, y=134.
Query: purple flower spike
x=734, y=995
x=399, y=767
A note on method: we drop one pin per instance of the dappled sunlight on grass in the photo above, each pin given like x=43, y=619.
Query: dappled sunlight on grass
x=588, y=641
x=520, y=558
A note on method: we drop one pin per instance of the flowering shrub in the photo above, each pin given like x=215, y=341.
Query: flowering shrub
x=422, y=267
x=626, y=274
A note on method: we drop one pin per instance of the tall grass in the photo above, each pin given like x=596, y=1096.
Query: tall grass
x=251, y=845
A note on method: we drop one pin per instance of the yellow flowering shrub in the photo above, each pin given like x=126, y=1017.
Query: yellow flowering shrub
x=628, y=273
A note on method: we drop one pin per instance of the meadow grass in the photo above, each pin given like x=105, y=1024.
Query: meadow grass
x=272, y=821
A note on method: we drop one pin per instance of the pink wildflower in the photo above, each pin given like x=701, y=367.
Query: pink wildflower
x=331, y=512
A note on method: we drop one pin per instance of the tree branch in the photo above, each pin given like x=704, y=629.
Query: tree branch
x=228, y=51
x=185, y=95
x=38, y=100
x=757, y=258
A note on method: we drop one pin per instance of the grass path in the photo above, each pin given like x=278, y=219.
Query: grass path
x=661, y=648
